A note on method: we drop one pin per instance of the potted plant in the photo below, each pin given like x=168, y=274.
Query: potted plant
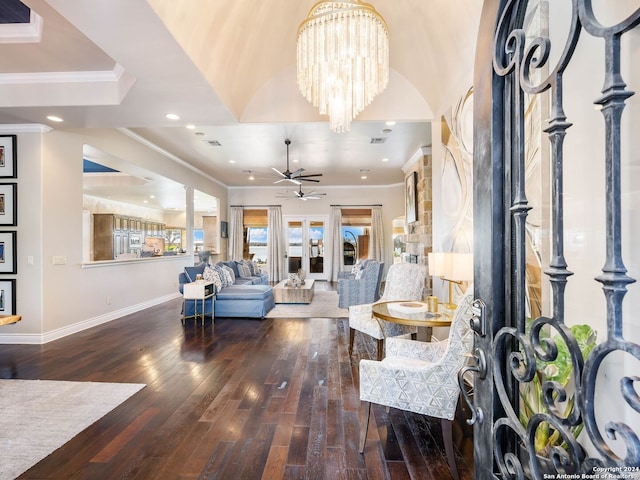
x=559, y=370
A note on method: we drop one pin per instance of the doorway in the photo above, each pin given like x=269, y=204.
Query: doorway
x=306, y=246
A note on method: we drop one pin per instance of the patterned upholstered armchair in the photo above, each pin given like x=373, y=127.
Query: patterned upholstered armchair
x=404, y=281
x=420, y=377
x=365, y=289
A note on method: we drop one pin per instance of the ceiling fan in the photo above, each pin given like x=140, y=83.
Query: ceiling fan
x=294, y=177
x=300, y=195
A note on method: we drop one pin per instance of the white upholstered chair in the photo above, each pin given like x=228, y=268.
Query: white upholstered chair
x=420, y=377
x=404, y=281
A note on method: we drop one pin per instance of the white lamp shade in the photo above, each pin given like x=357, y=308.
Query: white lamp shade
x=450, y=265
x=438, y=263
x=462, y=267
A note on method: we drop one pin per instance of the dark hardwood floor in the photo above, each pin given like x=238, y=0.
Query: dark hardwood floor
x=244, y=399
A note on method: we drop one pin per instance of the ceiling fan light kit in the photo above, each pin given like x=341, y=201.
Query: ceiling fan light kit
x=342, y=59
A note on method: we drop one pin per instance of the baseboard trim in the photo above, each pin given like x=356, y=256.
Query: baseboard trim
x=39, y=339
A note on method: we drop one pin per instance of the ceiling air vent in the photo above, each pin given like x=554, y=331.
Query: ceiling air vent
x=214, y=143
x=378, y=139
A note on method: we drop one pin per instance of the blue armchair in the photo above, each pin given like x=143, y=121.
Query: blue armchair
x=365, y=289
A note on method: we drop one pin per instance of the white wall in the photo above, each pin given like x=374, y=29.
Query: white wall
x=390, y=197
x=55, y=300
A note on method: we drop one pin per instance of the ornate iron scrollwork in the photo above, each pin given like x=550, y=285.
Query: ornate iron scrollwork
x=516, y=59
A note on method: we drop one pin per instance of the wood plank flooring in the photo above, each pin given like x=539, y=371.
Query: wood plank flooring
x=242, y=399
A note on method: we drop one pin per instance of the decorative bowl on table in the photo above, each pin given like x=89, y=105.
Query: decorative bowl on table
x=409, y=310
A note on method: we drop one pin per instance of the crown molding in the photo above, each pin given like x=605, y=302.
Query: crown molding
x=23, y=32
x=170, y=156
x=99, y=76
x=421, y=152
x=25, y=128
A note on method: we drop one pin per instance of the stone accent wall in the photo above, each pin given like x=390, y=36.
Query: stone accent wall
x=419, y=235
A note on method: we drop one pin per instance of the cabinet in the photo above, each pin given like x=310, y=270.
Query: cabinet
x=114, y=235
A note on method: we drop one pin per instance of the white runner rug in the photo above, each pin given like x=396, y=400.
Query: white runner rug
x=39, y=416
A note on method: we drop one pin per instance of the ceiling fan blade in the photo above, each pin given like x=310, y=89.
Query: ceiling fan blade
x=293, y=180
x=296, y=173
x=311, y=197
x=303, y=179
x=278, y=172
x=299, y=194
x=310, y=175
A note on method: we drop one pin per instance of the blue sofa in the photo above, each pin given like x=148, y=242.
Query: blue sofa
x=243, y=299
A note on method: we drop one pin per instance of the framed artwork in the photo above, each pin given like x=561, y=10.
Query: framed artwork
x=8, y=204
x=8, y=297
x=411, y=198
x=8, y=156
x=8, y=257
x=224, y=230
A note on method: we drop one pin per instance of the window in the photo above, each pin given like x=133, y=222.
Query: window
x=256, y=234
x=356, y=225
x=257, y=243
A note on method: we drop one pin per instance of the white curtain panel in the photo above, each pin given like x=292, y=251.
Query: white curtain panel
x=335, y=263
x=376, y=246
x=275, y=248
x=236, y=230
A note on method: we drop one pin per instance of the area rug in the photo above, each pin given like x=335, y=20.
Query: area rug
x=39, y=416
x=324, y=304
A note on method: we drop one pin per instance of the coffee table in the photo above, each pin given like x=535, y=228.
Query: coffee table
x=285, y=294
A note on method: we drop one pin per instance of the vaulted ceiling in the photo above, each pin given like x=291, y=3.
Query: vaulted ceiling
x=228, y=69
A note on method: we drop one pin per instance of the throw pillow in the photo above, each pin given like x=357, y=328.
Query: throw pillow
x=224, y=277
x=252, y=267
x=243, y=270
x=208, y=273
x=359, y=274
x=231, y=276
x=217, y=282
x=355, y=267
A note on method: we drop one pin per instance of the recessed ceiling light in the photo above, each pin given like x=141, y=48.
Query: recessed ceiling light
x=53, y=118
x=363, y=177
x=232, y=161
x=387, y=130
x=295, y=160
x=390, y=123
x=251, y=177
x=385, y=159
x=172, y=116
x=200, y=134
x=152, y=196
x=145, y=201
x=190, y=127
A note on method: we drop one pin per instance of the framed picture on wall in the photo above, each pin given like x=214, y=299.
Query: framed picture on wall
x=8, y=297
x=224, y=230
x=8, y=156
x=411, y=198
x=8, y=257
x=9, y=204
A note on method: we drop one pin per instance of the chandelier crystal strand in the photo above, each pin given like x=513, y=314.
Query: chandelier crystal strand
x=342, y=59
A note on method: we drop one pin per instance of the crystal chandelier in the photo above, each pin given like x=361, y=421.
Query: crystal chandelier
x=343, y=59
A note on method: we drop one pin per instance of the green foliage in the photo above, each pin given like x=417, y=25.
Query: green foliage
x=559, y=370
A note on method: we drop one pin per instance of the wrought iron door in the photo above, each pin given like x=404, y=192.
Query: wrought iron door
x=506, y=351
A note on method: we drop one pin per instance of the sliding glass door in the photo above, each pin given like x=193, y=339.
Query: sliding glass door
x=306, y=243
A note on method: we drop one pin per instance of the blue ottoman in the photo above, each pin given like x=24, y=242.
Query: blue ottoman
x=248, y=301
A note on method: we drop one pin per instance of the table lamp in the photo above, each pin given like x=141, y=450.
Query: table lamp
x=452, y=267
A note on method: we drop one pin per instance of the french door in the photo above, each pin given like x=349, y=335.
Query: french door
x=512, y=339
x=306, y=245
